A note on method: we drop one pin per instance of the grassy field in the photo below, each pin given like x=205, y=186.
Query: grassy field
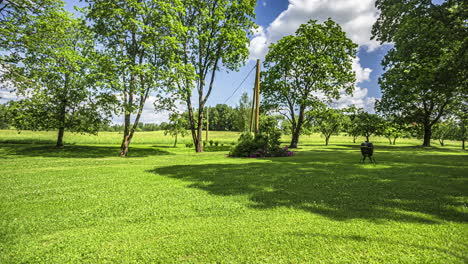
x=83, y=204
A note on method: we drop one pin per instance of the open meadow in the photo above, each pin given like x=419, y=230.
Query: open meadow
x=84, y=204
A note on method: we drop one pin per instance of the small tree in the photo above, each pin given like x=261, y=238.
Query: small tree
x=328, y=122
x=177, y=126
x=445, y=130
x=368, y=124
x=392, y=130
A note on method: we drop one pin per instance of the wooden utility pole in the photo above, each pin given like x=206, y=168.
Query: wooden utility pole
x=257, y=99
x=255, y=114
x=207, y=122
x=252, y=114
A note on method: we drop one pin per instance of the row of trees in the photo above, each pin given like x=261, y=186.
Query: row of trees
x=74, y=73
x=426, y=70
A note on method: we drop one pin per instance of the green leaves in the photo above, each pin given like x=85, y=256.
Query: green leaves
x=426, y=68
x=317, y=59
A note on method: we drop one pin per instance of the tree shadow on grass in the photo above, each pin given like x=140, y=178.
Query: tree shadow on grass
x=405, y=148
x=334, y=185
x=360, y=238
x=77, y=151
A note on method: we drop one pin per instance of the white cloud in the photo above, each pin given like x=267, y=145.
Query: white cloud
x=6, y=96
x=362, y=74
x=264, y=3
x=359, y=99
x=149, y=115
x=356, y=17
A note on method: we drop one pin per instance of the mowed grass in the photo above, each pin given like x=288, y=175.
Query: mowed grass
x=83, y=204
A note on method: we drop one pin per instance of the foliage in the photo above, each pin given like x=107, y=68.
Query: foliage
x=52, y=70
x=264, y=144
x=367, y=124
x=328, y=122
x=393, y=129
x=243, y=112
x=211, y=35
x=4, y=119
x=426, y=76
x=177, y=126
x=134, y=58
x=444, y=130
x=316, y=59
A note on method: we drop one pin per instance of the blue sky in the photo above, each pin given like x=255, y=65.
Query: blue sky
x=279, y=18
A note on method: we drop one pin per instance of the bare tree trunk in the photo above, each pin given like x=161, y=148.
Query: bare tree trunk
x=125, y=140
x=175, y=142
x=394, y=141
x=390, y=140
x=427, y=135
x=463, y=144
x=60, y=137
x=327, y=138
x=354, y=139
x=441, y=142
x=199, y=140
x=297, y=130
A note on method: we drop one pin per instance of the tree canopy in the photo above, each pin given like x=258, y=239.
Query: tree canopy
x=301, y=69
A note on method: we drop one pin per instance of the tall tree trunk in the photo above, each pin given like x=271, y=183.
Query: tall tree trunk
x=463, y=144
x=199, y=140
x=327, y=138
x=394, y=140
x=297, y=130
x=441, y=142
x=427, y=135
x=60, y=137
x=62, y=124
x=367, y=138
x=125, y=140
x=175, y=142
x=354, y=139
x=390, y=140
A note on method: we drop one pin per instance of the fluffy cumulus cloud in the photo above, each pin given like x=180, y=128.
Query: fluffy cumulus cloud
x=149, y=115
x=356, y=17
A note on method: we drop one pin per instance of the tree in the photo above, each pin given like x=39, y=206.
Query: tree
x=426, y=69
x=4, y=120
x=213, y=36
x=242, y=118
x=51, y=68
x=177, y=126
x=461, y=115
x=368, y=124
x=445, y=130
x=328, y=122
x=135, y=40
x=317, y=59
x=352, y=126
x=392, y=130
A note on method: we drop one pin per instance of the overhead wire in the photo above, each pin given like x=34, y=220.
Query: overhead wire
x=238, y=87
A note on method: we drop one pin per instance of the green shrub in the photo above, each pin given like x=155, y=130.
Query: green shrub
x=216, y=143
x=189, y=145
x=262, y=145
x=211, y=142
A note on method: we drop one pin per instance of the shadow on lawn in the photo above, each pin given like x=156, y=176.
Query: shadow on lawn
x=335, y=185
x=76, y=151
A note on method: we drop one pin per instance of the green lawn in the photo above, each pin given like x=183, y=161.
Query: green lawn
x=82, y=204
